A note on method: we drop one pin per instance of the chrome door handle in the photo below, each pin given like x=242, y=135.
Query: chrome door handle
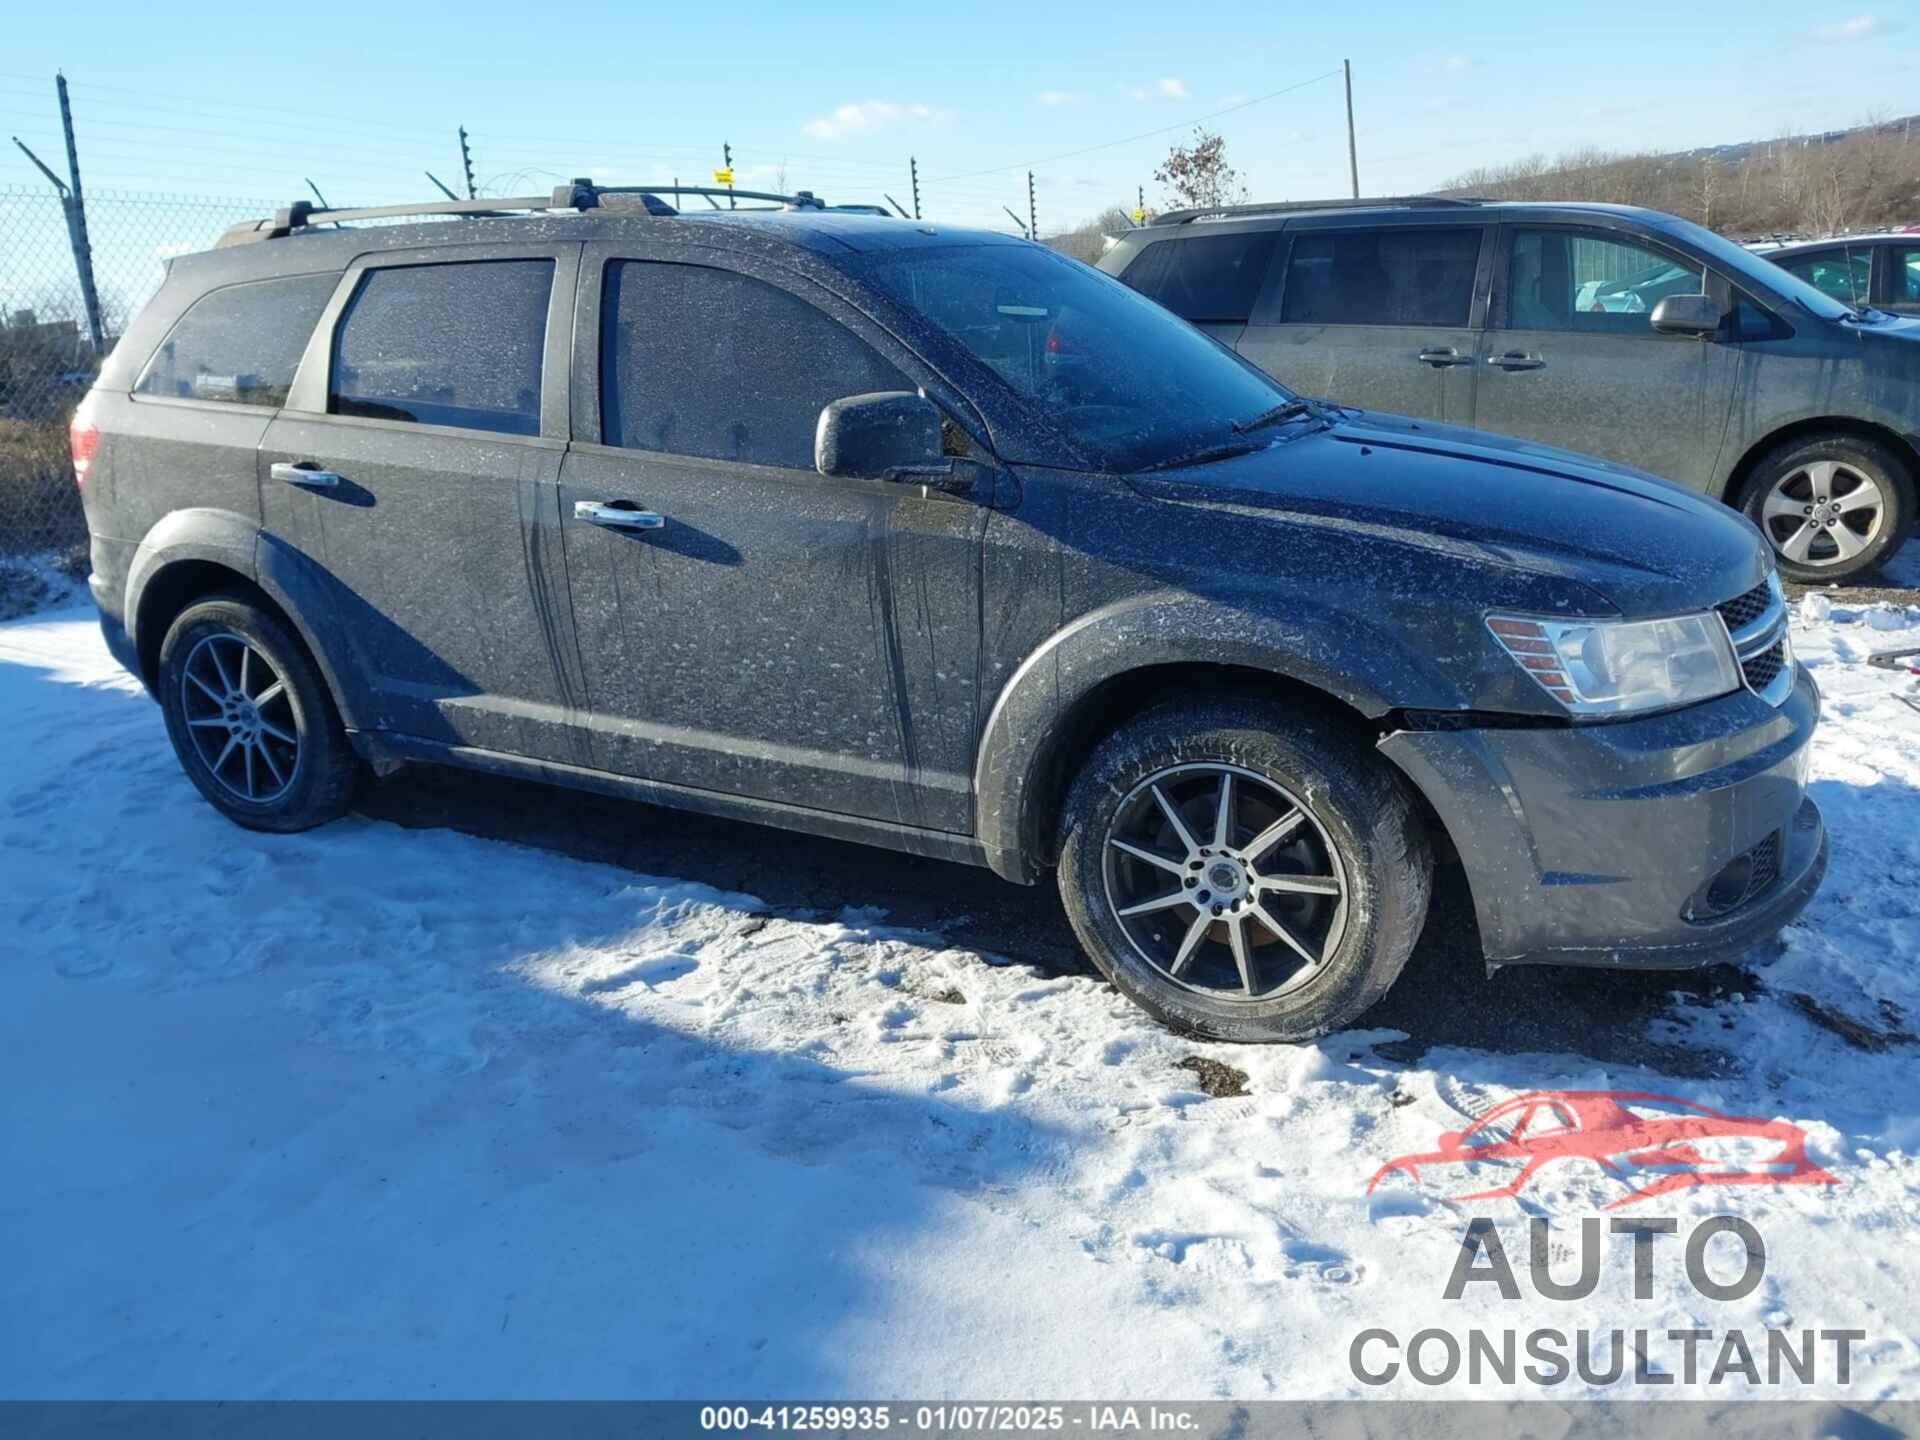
x=304, y=474
x=1441, y=358
x=617, y=517
x=1514, y=360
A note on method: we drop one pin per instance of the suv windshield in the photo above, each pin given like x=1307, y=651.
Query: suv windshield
x=1130, y=384
x=1759, y=270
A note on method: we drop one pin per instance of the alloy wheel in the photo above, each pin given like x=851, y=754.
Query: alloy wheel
x=1224, y=882
x=241, y=717
x=1823, y=513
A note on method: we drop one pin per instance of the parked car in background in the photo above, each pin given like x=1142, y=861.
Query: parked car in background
x=1624, y=333
x=817, y=520
x=1878, y=270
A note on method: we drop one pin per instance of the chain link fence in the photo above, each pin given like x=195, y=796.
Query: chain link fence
x=47, y=357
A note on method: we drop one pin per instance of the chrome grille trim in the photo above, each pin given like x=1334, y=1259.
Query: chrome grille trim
x=1759, y=638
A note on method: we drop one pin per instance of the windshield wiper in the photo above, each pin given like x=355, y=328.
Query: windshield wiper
x=1206, y=455
x=1291, y=410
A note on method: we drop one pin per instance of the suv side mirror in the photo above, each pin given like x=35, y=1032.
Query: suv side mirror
x=1687, y=315
x=889, y=435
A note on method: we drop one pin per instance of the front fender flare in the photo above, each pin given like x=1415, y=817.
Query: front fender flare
x=1358, y=663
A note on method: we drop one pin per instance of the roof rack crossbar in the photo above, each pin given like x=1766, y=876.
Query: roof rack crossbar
x=576, y=195
x=1284, y=207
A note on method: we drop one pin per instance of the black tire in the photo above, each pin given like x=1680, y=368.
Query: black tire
x=316, y=776
x=1861, y=461
x=1363, y=819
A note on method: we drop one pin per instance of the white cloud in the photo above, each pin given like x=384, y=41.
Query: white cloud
x=1170, y=88
x=1060, y=97
x=1860, y=27
x=866, y=116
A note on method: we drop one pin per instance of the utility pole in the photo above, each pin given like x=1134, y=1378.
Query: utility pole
x=913, y=170
x=1033, y=219
x=1353, y=154
x=726, y=154
x=466, y=163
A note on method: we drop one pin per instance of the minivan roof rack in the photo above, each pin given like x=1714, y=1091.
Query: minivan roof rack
x=575, y=195
x=1284, y=207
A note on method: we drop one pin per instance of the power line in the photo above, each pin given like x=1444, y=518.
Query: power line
x=1143, y=135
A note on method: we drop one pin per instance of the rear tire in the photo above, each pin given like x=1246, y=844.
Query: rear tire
x=1348, y=880
x=251, y=719
x=1832, y=506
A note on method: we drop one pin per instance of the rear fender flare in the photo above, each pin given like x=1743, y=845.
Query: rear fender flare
x=233, y=542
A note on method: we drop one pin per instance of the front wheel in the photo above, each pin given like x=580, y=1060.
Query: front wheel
x=1243, y=871
x=1831, y=506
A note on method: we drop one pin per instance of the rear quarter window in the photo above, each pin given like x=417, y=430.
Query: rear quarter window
x=241, y=343
x=1210, y=279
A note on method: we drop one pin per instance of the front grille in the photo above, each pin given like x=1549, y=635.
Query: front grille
x=1757, y=624
x=1743, y=610
x=1763, y=669
x=1746, y=877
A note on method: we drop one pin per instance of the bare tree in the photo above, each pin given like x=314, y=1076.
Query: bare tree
x=1090, y=239
x=1198, y=175
x=1795, y=184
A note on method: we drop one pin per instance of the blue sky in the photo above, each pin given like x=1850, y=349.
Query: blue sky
x=247, y=101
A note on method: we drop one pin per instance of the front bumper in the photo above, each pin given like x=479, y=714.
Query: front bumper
x=1596, y=844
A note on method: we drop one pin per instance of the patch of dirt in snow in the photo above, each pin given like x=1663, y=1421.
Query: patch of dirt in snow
x=379, y=1112
x=1220, y=1080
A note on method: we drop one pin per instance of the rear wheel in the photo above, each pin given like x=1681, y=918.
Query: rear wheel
x=250, y=718
x=1243, y=872
x=1831, y=507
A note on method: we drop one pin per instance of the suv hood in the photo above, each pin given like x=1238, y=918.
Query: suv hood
x=1647, y=546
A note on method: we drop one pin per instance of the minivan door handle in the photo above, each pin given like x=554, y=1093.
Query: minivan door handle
x=617, y=515
x=1444, y=356
x=1516, y=360
x=304, y=473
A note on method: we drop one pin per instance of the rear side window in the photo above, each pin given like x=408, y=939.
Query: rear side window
x=1572, y=280
x=1838, y=273
x=458, y=344
x=240, y=343
x=711, y=363
x=1382, y=277
x=1206, y=279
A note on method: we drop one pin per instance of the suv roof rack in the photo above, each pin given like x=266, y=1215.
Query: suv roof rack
x=575, y=195
x=1284, y=207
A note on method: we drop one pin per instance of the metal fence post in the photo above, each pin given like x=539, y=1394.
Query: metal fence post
x=77, y=225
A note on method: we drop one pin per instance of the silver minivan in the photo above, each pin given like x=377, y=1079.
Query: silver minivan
x=1625, y=333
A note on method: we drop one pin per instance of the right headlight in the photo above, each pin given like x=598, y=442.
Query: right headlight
x=1598, y=667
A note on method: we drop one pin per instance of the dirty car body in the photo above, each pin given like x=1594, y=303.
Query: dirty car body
x=557, y=569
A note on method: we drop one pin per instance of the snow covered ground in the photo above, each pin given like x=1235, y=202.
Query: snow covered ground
x=386, y=1112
